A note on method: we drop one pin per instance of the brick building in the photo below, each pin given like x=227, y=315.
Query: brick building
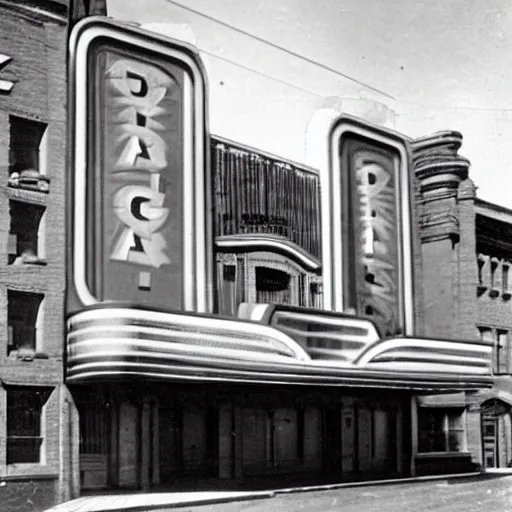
x=490, y=226
x=36, y=428
x=466, y=257
x=466, y=289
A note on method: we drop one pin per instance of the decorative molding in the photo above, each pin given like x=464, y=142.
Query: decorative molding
x=259, y=242
x=120, y=340
x=437, y=164
x=443, y=176
x=439, y=224
x=5, y=85
x=467, y=190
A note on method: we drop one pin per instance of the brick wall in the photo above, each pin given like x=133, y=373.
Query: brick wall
x=438, y=288
x=37, y=46
x=465, y=268
x=28, y=495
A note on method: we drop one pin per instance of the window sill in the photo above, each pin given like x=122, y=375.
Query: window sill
x=480, y=290
x=29, y=471
x=494, y=292
x=26, y=196
x=440, y=455
x=23, y=477
x=26, y=356
x=39, y=262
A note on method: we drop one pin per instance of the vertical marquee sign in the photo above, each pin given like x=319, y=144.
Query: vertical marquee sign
x=367, y=246
x=139, y=187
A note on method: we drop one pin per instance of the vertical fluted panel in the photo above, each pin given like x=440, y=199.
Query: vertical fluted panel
x=257, y=194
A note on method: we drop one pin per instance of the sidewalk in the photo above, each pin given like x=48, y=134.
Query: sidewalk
x=147, y=501
x=133, y=502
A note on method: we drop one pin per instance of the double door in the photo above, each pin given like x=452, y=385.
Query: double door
x=362, y=440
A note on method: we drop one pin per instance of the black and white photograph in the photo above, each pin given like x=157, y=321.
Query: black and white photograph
x=255, y=255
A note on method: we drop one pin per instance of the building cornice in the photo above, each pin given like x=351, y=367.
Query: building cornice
x=440, y=172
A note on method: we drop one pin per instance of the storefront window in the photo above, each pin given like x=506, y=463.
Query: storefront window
x=440, y=430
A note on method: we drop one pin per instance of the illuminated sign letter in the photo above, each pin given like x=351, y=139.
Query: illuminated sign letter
x=368, y=248
x=140, y=228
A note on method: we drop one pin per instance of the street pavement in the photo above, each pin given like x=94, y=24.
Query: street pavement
x=482, y=494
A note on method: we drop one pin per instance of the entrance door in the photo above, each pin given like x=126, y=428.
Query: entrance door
x=347, y=440
x=129, y=421
x=194, y=441
x=490, y=442
x=364, y=439
x=170, y=429
x=93, y=441
x=188, y=442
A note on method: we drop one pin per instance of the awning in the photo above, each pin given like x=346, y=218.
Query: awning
x=299, y=347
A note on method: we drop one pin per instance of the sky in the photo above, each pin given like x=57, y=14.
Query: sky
x=446, y=64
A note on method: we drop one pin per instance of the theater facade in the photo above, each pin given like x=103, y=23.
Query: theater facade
x=233, y=315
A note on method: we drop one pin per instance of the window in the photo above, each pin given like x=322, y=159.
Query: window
x=227, y=299
x=26, y=140
x=272, y=286
x=24, y=238
x=22, y=313
x=494, y=266
x=502, y=349
x=483, y=271
x=24, y=432
x=93, y=428
x=231, y=283
x=315, y=295
x=495, y=277
x=504, y=280
x=440, y=430
x=501, y=353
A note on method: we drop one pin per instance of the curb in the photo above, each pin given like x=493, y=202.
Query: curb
x=293, y=490
x=368, y=483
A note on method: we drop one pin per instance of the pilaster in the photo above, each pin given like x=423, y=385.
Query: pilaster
x=440, y=170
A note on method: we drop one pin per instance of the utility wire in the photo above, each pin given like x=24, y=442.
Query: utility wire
x=318, y=95
x=323, y=66
x=273, y=45
x=455, y=107
x=284, y=82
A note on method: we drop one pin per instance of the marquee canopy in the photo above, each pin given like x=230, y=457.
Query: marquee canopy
x=272, y=344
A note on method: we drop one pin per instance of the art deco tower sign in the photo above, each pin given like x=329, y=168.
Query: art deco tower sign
x=140, y=202
x=367, y=225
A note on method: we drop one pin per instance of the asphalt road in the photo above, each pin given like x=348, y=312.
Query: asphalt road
x=480, y=494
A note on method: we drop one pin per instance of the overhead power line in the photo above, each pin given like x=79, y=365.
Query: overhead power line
x=277, y=47
x=455, y=107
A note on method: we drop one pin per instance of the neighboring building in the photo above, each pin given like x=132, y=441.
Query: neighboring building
x=491, y=227
x=467, y=255
x=36, y=411
x=480, y=285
